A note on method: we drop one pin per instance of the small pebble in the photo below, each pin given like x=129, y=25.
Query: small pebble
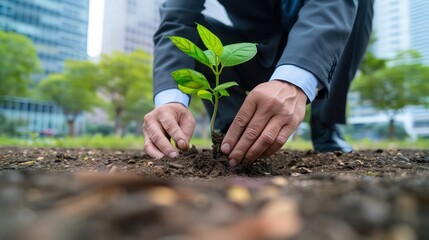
x=280, y=181
x=162, y=196
x=158, y=171
x=239, y=195
x=27, y=163
x=402, y=158
x=359, y=162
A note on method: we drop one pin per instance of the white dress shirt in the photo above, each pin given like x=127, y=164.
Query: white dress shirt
x=301, y=78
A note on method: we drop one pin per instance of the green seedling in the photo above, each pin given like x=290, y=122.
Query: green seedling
x=216, y=57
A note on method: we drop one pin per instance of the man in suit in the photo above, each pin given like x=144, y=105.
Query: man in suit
x=306, y=48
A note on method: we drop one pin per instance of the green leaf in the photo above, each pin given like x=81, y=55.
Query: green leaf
x=238, y=53
x=224, y=86
x=190, y=49
x=223, y=92
x=211, y=57
x=211, y=41
x=187, y=90
x=204, y=94
x=191, y=79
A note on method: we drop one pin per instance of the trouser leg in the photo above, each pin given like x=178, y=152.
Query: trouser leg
x=332, y=110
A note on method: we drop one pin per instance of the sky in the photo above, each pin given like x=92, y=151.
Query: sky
x=95, y=28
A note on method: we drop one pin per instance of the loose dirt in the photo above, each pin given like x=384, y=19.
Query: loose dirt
x=115, y=194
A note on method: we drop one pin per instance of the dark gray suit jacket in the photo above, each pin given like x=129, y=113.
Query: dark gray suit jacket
x=315, y=40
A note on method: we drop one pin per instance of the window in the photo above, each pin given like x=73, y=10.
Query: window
x=421, y=124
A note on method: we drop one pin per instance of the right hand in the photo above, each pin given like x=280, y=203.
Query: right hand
x=172, y=120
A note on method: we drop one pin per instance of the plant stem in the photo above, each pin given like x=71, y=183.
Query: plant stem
x=216, y=72
x=216, y=105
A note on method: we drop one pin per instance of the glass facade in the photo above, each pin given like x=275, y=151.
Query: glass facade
x=401, y=25
x=37, y=117
x=419, y=27
x=58, y=28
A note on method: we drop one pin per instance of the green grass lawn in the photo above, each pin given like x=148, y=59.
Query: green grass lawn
x=131, y=142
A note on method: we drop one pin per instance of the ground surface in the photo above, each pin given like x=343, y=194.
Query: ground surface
x=101, y=194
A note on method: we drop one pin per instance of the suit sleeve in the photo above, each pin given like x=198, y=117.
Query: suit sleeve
x=178, y=18
x=319, y=36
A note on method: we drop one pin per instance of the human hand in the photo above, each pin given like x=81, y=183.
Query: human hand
x=170, y=120
x=268, y=116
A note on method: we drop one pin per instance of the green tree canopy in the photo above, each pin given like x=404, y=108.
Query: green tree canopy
x=18, y=61
x=402, y=83
x=125, y=80
x=391, y=85
x=74, y=90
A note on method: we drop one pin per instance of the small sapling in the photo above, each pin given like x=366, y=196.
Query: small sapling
x=216, y=57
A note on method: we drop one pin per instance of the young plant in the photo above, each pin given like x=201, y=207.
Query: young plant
x=216, y=57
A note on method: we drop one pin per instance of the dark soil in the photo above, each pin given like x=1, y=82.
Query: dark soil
x=217, y=138
x=104, y=194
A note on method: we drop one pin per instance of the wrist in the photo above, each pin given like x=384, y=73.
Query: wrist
x=170, y=96
x=285, y=84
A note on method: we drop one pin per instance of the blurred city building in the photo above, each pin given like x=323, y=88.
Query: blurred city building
x=130, y=24
x=413, y=119
x=401, y=25
x=398, y=25
x=58, y=29
x=39, y=117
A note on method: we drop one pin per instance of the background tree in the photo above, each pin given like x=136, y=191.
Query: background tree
x=18, y=61
x=394, y=84
x=74, y=90
x=136, y=106
x=121, y=77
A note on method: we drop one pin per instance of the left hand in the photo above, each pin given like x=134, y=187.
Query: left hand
x=269, y=115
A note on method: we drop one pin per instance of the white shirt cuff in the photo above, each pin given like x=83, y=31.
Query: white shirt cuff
x=171, y=95
x=298, y=77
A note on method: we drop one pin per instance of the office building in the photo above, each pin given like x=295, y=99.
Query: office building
x=401, y=25
x=38, y=117
x=58, y=29
x=130, y=24
x=419, y=27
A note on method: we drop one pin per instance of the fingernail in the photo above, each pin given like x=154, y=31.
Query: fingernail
x=225, y=148
x=181, y=144
x=173, y=154
x=232, y=163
